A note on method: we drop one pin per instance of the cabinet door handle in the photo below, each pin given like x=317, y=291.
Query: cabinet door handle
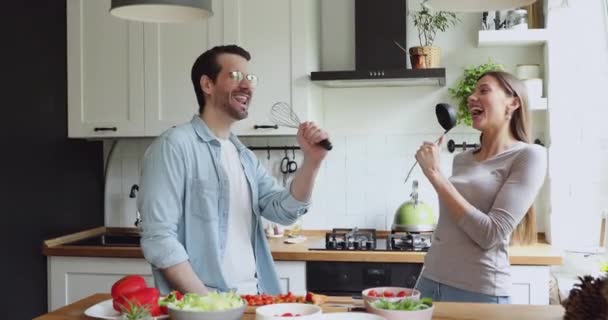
x=105, y=129
x=265, y=126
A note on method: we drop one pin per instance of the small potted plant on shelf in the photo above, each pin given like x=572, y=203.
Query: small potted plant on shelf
x=428, y=23
x=465, y=86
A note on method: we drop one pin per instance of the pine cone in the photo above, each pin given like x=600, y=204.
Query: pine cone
x=587, y=300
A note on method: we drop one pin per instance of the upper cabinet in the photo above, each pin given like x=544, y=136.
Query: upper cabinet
x=169, y=52
x=131, y=79
x=282, y=37
x=105, y=72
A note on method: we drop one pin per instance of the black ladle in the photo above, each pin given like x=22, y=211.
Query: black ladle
x=446, y=116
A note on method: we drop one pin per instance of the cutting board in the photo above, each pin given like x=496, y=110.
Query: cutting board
x=332, y=304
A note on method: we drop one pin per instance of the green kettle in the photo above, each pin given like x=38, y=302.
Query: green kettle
x=414, y=215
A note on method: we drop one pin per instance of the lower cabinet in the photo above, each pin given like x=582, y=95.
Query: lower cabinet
x=73, y=278
x=530, y=284
x=292, y=276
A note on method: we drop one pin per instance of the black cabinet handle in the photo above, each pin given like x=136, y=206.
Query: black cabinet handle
x=265, y=127
x=105, y=129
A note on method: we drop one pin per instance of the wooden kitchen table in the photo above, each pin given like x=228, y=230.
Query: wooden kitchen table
x=443, y=311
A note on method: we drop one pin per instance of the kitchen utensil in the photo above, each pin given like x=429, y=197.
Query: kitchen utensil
x=282, y=114
x=395, y=294
x=425, y=314
x=517, y=19
x=418, y=280
x=446, y=116
x=287, y=165
x=400, y=47
x=414, y=215
x=227, y=314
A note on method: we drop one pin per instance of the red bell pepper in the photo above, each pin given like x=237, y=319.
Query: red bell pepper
x=128, y=284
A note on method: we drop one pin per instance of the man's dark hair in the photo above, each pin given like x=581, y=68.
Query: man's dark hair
x=206, y=64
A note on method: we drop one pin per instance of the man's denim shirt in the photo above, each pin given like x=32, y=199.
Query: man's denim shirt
x=184, y=202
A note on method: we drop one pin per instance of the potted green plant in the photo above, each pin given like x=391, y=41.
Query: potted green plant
x=428, y=23
x=465, y=86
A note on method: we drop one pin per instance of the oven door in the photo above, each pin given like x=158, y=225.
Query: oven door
x=350, y=278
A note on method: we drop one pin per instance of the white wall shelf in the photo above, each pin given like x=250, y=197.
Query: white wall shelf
x=538, y=104
x=520, y=38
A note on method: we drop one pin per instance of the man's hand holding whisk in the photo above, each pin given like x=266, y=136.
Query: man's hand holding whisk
x=308, y=137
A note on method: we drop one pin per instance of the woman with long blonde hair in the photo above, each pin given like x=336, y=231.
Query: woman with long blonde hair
x=487, y=201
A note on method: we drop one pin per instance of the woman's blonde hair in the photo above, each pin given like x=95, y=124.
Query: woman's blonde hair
x=525, y=233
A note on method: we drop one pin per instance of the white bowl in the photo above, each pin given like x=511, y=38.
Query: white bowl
x=394, y=290
x=229, y=314
x=426, y=314
x=274, y=311
x=350, y=316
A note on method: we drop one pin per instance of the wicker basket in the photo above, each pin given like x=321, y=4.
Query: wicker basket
x=432, y=56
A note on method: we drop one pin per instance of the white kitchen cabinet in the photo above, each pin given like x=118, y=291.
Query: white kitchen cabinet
x=530, y=284
x=282, y=37
x=105, y=72
x=73, y=278
x=169, y=52
x=131, y=79
x=292, y=275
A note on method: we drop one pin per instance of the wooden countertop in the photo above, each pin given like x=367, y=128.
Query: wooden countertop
x=539, y=254
x=443, y=311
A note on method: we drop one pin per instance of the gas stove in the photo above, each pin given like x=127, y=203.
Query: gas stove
x=350, y=239
x=356, y=239
x=409, y=241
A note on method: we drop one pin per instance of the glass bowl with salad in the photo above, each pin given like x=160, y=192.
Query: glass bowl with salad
x=214, y=306
x=406, y=309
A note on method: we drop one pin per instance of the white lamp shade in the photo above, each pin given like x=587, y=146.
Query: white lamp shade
x=477, y=5
x=162, y=11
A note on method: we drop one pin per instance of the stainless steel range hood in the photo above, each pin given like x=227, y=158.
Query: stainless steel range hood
x=378, y=61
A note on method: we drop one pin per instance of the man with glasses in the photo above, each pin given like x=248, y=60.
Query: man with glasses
x=203, y=193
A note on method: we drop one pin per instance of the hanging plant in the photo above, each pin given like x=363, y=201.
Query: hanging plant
x=465, y=86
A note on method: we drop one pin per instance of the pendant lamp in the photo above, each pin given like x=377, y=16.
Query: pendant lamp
x=477, y=5
x=161, y=11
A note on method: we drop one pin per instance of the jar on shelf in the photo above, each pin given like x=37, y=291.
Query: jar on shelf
x=517, y=19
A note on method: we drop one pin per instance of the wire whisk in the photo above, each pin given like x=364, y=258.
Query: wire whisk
x=283, y=115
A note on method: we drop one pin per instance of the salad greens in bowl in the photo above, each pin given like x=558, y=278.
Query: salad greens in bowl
x=214, y=306
x=405, y=309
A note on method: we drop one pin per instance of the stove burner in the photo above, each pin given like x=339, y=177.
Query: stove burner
x=351, y=239
x=407, y=241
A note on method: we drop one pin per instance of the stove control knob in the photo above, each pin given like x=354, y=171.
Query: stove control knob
x=356, y=245
x=331, y=244
x=368, y=245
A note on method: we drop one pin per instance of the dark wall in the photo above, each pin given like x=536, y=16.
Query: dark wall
x=49, y=185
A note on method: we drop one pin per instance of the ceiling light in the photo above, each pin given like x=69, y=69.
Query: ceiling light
x=161, y=11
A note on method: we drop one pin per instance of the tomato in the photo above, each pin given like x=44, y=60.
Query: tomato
x=127, y=284
x=373, y=293
x=308, y=297
x=388, y=294
x=146, y=297
x=401, y=294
